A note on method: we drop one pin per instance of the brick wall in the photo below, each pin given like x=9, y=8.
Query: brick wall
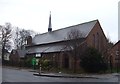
x=115, y=54
x=97, y=38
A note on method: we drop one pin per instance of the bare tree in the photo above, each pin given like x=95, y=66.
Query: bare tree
x=0, y=41
x=0, y=33
x=21, y=37
x=75, y=40
x=5, y=38
x=109, y=43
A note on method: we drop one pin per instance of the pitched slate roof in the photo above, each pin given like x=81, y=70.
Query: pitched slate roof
x=45, y=49
x=21, y=53
x=50, y=48
x=61, y=34
x=57, y=36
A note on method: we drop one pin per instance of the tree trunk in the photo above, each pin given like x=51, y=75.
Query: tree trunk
x=3, y=53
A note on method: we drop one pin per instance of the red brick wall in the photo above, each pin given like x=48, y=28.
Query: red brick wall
x=113, y=54
x=100, y=41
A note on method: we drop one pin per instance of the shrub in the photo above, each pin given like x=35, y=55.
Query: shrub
x=47, y=64
x=28, y=62
x=92, y=61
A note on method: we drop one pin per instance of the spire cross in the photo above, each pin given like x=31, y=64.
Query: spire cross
x=50, y=25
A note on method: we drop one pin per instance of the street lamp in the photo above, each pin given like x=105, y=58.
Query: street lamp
x=40, y=69
x=39, y=55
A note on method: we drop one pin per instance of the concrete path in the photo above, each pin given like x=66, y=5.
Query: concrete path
x=63, y=75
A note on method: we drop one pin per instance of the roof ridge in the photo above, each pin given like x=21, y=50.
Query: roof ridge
x=69, y=26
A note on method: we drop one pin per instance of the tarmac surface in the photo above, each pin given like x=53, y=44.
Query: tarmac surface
x=11, y=74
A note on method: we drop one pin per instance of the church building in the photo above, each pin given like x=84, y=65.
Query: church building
x=50, y=45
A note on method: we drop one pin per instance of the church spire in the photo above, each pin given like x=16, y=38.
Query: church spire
x=50, y=25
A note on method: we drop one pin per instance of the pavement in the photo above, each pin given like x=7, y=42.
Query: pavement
x=64, y=75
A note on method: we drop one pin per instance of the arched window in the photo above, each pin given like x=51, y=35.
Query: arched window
x=94, y=40
x=97, y=41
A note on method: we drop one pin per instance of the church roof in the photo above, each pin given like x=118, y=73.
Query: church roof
x=50, y=48
x=61, y=34
x=21, y=53
x=45, y=49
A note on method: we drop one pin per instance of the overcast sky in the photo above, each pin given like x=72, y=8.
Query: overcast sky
x=34, y=14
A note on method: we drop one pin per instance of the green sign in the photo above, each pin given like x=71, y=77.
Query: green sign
x=33, y=61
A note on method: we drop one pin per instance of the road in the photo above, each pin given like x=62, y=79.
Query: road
x=16, y=75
